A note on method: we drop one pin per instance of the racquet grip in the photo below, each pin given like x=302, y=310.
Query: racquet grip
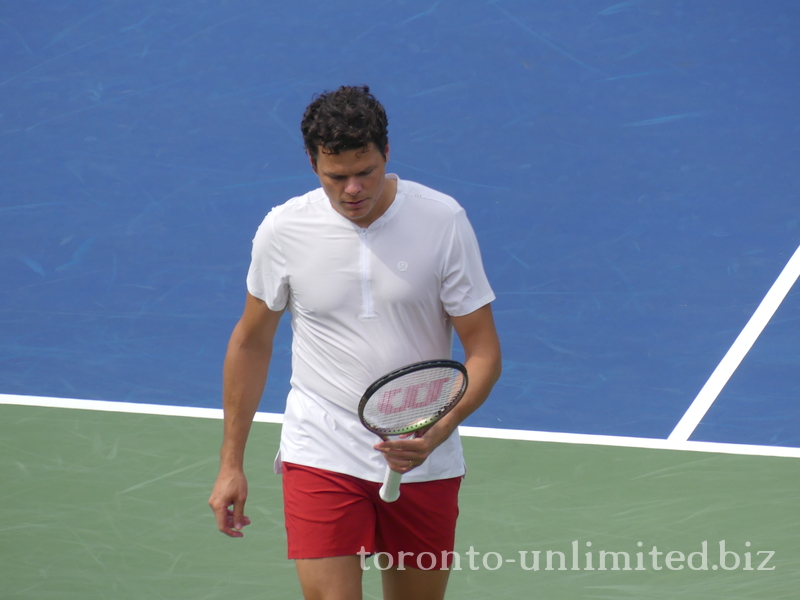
x=390, y=490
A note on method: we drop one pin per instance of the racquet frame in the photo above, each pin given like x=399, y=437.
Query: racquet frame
x=390, y=490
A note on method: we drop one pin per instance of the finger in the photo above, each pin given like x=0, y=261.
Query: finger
x=420, y=432
x=405, y=464
x=232, y=528
x=245, y=519
x=404, y=451
x=224, y=517
x=416, y=449
x=409, y=444
x=238, y=515
x=220, y=513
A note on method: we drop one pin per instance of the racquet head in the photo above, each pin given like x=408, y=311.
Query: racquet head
x=413, y=397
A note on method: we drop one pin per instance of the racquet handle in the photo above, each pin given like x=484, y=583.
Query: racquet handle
x=390, y=490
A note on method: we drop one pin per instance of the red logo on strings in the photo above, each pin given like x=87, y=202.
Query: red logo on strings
x=411, y=397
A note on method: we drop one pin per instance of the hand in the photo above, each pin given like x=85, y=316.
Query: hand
x=230, y=490
x=409, y=451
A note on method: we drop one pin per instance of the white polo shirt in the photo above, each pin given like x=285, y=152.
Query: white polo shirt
x=364, y=302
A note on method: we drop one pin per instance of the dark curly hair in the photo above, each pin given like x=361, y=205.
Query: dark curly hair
x=348, y=119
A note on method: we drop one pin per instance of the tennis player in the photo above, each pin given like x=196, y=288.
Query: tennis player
x=377, y=273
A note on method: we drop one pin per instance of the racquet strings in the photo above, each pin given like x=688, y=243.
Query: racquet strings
x=412, y=400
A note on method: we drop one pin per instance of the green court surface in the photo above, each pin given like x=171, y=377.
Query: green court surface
x=113, y=506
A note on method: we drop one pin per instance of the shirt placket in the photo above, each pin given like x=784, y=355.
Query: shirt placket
x=367, y=307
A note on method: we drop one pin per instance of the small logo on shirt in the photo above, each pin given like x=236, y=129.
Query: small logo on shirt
x=402, y=265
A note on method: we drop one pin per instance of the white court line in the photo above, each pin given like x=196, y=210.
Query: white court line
x=731, y=361
x=466, y=431
x=628, y=442
x=128, y=407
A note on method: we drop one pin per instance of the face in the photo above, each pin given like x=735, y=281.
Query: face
x=355, y=182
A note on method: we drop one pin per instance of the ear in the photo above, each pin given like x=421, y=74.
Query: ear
x=386, y=152
x=313, y=162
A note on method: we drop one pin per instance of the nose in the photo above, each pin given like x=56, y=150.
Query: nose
x=353, y=187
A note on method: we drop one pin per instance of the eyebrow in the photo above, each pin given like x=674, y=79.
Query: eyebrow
x=362, y=172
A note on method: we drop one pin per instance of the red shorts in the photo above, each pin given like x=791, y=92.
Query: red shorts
x=331, y=514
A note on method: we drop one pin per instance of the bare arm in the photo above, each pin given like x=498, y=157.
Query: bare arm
x=483, y=362
x=243, y=380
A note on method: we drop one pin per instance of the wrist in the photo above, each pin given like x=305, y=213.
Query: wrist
x=231, y=461
x=441, y=431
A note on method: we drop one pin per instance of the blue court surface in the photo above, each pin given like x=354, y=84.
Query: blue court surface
x=631, y=171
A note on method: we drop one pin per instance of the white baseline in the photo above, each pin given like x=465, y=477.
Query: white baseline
x=466, y=431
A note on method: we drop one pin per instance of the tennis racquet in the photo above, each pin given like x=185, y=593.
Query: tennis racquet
x=409, y=399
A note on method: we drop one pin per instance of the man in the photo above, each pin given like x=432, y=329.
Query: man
x=376, y=273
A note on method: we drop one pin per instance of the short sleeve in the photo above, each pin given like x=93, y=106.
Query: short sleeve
x=465, y=287
x=267, y=279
